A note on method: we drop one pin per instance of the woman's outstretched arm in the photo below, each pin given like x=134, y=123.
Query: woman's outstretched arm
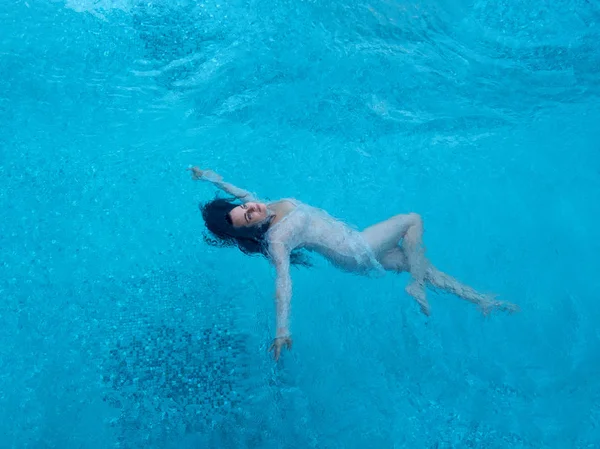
x=283, y=298
x=217, y=180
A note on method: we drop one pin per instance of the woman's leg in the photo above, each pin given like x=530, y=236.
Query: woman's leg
x=385, y=236
x=396, y=260
x=486, y=302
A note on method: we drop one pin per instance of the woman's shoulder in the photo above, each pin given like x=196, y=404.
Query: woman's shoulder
x=289, y=218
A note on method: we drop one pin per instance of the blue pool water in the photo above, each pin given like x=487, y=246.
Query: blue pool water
x=121, y=328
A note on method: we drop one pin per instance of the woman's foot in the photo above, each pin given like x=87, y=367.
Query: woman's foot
x=487, y=306
x=417, y=291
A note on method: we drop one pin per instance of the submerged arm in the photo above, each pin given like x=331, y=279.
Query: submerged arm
x=283, y=289
x=217, y=180
x=283, y=297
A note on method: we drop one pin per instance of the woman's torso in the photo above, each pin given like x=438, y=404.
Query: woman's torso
x=298, y=225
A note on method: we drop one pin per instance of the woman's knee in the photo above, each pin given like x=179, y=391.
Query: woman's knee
x=416, y=217
x=410, y=219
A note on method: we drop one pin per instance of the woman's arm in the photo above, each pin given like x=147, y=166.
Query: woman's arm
x=283, y=297
x=217, y=180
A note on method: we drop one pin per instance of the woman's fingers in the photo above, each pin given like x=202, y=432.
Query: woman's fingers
x=275, y=348
x=277, y=345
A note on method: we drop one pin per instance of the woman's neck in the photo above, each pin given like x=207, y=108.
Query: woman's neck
x=279, y=210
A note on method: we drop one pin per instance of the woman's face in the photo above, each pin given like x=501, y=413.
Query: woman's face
x=248, y=214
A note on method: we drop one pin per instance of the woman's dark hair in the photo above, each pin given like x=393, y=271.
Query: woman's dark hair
x=249, y=239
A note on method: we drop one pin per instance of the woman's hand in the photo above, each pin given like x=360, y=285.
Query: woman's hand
x=209, y=175
x=278, y=343
x=196, y=173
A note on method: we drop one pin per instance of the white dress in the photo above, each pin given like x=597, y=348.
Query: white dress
x=315, y=230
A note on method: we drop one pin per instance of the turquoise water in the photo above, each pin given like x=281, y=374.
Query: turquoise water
x=122, y=328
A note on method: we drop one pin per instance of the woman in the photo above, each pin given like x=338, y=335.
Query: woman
x=280, y=229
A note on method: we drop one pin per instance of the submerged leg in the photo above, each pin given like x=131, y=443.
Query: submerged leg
x=395, y=260
x=385, y=236
x=486, y=302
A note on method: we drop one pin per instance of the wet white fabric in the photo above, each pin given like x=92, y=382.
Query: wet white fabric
x=315, y=230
